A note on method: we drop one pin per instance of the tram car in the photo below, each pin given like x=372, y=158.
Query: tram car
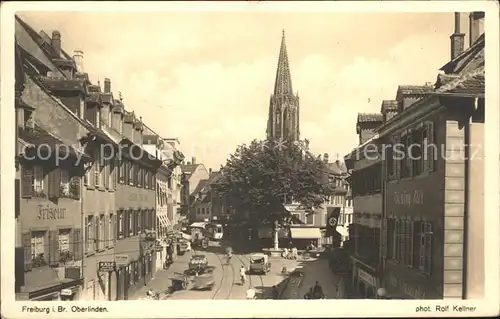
x=214, y=231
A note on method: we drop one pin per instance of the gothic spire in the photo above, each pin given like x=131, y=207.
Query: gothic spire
x=283, y=83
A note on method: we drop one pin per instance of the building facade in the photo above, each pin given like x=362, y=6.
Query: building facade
x=192, y=175
x=429, y=253
x=366, y=164
x=49, y=166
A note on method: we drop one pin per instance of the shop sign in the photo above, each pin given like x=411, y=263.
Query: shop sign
x=416, y=197
x=121, y=260
x=106, y=266
x=366, y=277
x=66, y=292
x=47, y=212
x=408, y=289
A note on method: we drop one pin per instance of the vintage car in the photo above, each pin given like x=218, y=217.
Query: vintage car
x=198, y=262
x=259, y=263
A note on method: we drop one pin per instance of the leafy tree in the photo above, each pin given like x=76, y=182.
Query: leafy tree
x=261, y=177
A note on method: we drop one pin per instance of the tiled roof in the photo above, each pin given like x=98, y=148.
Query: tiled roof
x=38, y=136
x=472, y=56
x=389, y=105
x=470, y=84
x=99, y=134
x=188, y=168
x=337, y=168
x=369, y=117
x=414, y=89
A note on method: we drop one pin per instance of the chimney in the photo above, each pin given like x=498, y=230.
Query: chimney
x=78, y=58
x=457, y=38
x=56, y=42
x=193, y=160
x=474, y=18
x=107, y=85
x=325, y=158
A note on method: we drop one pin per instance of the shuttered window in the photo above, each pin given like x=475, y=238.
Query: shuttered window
x=417, y=227
x=397, y=159
x=74, y=187
x=64, y=188
x=384, y=242
x=26, y=239
x=402, y=240
x=53, y=248
x=38, y=176
x=87, y=235
x=54, y=179
x=409, y=243
x=130, y=173
x=146, y=179
x=430, y=148
x=131, y=220
x=77, y=243
x=139, y=176
x=97, y=168
x=27, y=181
x=396, y=240
x=121, y=225
x=428, y=248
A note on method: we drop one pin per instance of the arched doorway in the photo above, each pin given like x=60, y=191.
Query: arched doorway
x=361, y=289
x=370, y=293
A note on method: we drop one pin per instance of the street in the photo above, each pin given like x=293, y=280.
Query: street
x=227, y=279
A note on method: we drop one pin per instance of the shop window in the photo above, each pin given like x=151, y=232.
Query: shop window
x=38, y=255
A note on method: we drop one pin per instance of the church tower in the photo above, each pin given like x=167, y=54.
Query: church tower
x=283, y=121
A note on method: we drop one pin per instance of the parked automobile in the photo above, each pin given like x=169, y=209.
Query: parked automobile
x=259, y=263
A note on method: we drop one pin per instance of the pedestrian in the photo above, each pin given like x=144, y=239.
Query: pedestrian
x=318, y=290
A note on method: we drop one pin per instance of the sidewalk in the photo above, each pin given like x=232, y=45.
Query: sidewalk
x=161, y=281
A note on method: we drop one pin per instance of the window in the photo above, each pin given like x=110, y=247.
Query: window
x=65, y=253
x=64, y=183
x=139, y=172
x=111, y=230
x=121, y=170
x=97, y=233
x=120, y=225
x=389, y=162
x=98, y=117
x=130, y=175
x=29, y=123
x=89, y=234
x=146, y=179
x=131, y=223
x=430, y=148
x=38, y=257
x=425, y=263
x=97, y=169
x=102, y=238
x=140, y=223
x=38, y=181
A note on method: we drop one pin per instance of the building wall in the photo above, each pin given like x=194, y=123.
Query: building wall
x=475, y=256
x=195, y=178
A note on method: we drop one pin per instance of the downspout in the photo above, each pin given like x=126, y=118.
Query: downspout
x=466, y=202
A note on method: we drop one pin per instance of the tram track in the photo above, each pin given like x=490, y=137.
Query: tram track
x=224, y=269
x=240, y=258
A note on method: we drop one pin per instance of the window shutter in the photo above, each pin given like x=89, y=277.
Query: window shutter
x=384, y=238
x=113, y=231
x=27, y=183
x=411, y=229
x=86, y=237
x=74, y=186
x=402, y=247
x=428, y=249
x=26, y=238
x=421, y=264
x=409, y=154
x=53, y=248
x=77, y=243
x=431, y=149
x=397, y=161
x=54, y=179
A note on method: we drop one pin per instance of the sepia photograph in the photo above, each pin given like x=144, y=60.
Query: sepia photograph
x=208, y=155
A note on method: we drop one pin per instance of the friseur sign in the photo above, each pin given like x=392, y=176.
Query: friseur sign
x=47, y=212
x=415, y=197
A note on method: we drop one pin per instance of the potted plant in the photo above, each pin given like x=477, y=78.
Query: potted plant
x=38, y=261
x=65, y=256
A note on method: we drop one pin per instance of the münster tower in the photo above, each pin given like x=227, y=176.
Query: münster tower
x=283, y=121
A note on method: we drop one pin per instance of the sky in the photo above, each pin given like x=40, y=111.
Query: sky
x=206, y=77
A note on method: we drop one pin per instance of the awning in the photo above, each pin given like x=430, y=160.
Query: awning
x=305, y=233
x=165, y=222
x=342, y=231
x=198, y=225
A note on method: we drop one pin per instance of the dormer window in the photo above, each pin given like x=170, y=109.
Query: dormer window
x=98, y=117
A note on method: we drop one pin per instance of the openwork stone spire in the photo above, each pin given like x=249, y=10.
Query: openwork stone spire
x=283, y=82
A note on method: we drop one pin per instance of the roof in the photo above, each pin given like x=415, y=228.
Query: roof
x=283, y=81
x=201, y=184
x=414, y=89
x=189, y=168
x=388, y=105
x=470, y=84
x=337, y=167
x=198, y=225
x=39, y=136
x=369, y=117
x=471, y=58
